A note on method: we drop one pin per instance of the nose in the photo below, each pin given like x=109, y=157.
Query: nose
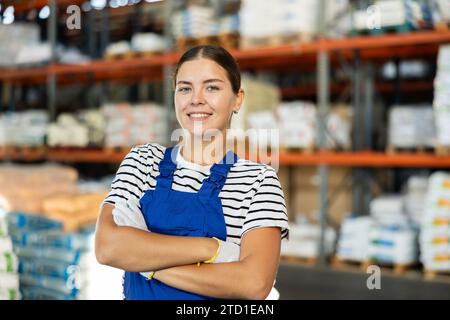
x=197, y=98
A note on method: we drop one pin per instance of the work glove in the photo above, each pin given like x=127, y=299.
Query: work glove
x=228, y=252
x=128, y=214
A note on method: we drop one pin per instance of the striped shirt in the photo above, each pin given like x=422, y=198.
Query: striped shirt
x=251, y=197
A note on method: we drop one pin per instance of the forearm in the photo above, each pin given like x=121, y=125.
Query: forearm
x=137, y=250
x=234, y=280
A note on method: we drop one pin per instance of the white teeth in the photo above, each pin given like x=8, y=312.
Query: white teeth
x=199, y=115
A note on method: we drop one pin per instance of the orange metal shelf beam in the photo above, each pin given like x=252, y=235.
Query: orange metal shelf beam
x=343, y=159
x=71, y=155
x=382, y=87
x=416, y=44
x=27, y=5
x=366, y=159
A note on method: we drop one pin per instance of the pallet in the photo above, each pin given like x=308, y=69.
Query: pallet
x=226, y=40
x=430, y=274
x=418, y=149
x=344, y=263
x=397, y=268
x=303, y=150
x=402, y=28
x=441, y=150
x=132, y=55
x=276, y=40
x=442, y=26
x=309, y=261
x=24, y=152
x=118, y=149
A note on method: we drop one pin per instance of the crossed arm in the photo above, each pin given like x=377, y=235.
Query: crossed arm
x=174, y=259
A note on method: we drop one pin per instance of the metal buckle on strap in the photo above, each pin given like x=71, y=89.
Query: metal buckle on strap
x=166, y=170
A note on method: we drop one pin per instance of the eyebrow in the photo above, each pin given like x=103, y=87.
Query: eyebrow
x=206, y=81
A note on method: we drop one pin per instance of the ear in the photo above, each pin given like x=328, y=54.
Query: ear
x=239, y=100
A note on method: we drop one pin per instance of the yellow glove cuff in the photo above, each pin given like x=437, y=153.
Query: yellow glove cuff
x=213, y=258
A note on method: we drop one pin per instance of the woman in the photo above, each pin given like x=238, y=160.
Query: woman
x=197, y=205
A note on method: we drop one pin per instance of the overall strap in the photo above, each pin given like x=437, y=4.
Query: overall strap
x=214, y=183
x=167, y=167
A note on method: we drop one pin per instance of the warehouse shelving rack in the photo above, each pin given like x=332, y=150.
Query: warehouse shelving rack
x=321, y=54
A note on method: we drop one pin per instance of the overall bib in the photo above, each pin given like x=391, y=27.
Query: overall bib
x=172, y=212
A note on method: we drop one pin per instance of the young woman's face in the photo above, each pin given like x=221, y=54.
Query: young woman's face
x=204, y=98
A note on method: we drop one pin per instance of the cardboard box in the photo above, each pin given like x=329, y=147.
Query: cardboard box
x=305, y=193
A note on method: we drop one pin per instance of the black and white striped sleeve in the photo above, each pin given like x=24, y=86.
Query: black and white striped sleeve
x=267, y=207
x=130, y=179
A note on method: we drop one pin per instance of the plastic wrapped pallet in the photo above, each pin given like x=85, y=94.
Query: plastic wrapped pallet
x=393, y=238
x=198, y=21
x=83, y=130
x=194, y=22
x=9, y=283
x=297, y=123
x=58, y=265
x=28, y=128
x=353, y=241
x=128, y=125
x=414, y=199
x=435, y=228
x=260, y=19
x=440, y=11
x=393, y=244
x=411, y=126
x=16, y=36
x=388, y=210
x=441, y=102
x=148, y=42
x=404, y=15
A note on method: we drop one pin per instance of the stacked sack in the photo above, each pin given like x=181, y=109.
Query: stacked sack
x=411, y=126
x=441, y=102
x=128, y=125
x=9, y=278
x=297, y=122
x=392, y=239
x=25, y=187
x=194, y=22
x=199, y=21
x=440, y=11
x=353, y=244
x=58, y=265
x=28, y=128
x=403, y=15
x=20, y=44
x=261, y=19
x=74, y=211
x=414, y=199
x=83, y=130
x=435, y=232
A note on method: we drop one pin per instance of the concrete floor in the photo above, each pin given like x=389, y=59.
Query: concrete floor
x=295, y=281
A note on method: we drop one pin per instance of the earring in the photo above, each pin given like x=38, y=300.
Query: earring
x=235, y=112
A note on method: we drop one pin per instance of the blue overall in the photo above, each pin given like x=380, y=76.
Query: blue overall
x=172, y=212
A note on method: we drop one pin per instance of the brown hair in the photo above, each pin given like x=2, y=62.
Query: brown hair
x=217, y=54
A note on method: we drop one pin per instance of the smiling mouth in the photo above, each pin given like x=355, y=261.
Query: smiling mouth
x=199, y=116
